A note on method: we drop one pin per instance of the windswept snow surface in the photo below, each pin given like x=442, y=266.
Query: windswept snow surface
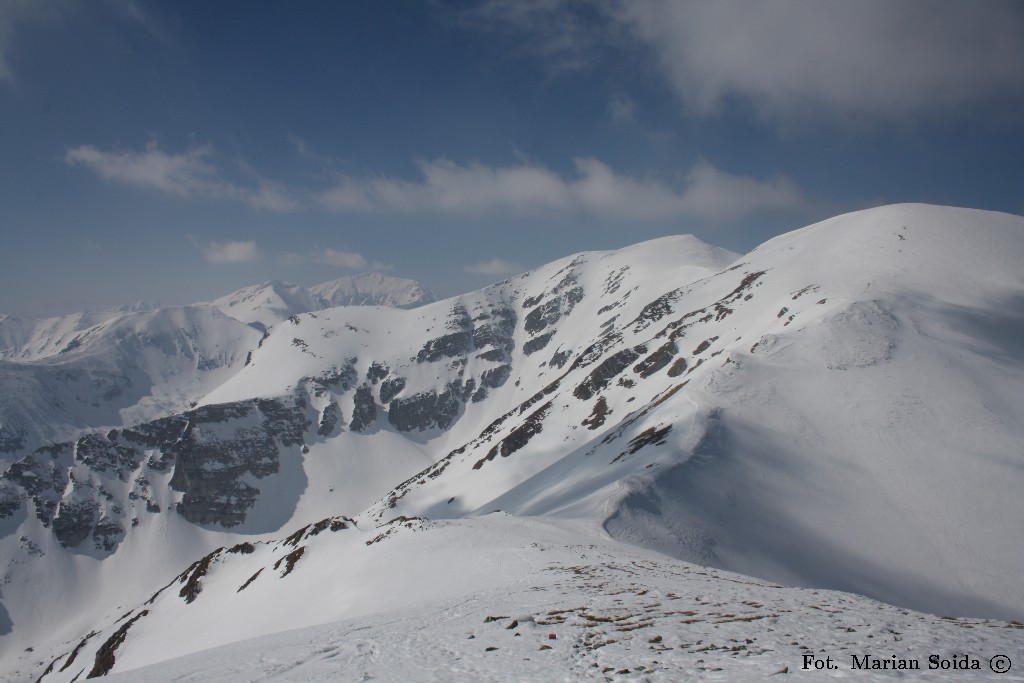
x=500, y=598
x=838, y=409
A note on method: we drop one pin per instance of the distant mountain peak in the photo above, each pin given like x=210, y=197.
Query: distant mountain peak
x=275, y=301
x=373, y=289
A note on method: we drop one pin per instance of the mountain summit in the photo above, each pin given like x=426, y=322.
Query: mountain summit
x=373, y=289
x=837, y=409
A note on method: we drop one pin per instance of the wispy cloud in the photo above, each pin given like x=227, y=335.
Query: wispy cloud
x=230, y=252
x=339, y=258
x=448, y=187
x=14, y=13
x=714, y=194
x=134, y=11
x=622, y=109
x=186, y=174
x=596, y=188
x=565, y=33
x=190, y=174
x=494, y=266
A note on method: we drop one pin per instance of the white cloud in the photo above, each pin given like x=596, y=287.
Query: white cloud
x=186, y=174
x=231, y=252
x=494, y=266
x=341, y=259
x=596, y=188
x=448, y=186
x=717, y=195
x=792, y=59
x=190, y=174
x=874, y=57
x=444, y=186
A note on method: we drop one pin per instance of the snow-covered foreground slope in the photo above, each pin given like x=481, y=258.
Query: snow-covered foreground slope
x=837, y=409
x=500, y=598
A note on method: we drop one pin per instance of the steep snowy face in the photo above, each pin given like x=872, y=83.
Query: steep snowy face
x=838, y=408
x=267, y=304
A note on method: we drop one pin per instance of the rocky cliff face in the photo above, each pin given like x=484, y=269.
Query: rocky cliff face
x=99, y=485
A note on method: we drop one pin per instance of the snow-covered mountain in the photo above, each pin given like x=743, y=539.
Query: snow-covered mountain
x=139, y=362
x=837, y=409
x=128, y=368
x=25, y=339
x=267, y=304
x=274, y=302
x=373, y=289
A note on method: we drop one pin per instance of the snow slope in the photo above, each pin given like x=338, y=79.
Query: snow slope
x=267, y=304
x=501, y=598
x=24, y=339
x=837, y=409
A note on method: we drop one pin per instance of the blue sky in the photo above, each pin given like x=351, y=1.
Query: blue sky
x=175, y=151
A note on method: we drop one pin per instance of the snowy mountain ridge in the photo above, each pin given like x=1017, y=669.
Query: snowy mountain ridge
x=274, y=302
x=373, y=289
x=836, y=409
x=126, y=369
x=106, y=369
